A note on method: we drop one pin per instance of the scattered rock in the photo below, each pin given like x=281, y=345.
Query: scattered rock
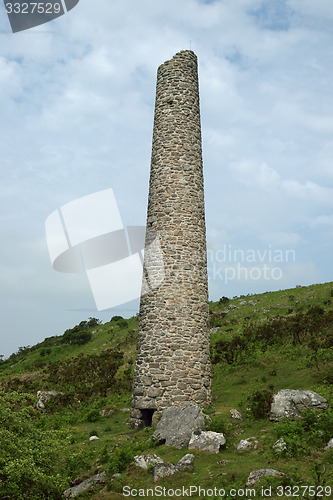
x=186, y=463
x=144, y=461
x=223, y=462
x=43, y=397
x=248, y=443
x=280, y=445
x=290, y=403
x=236, y=414
x=329, y=445
x=177, y=424
x=85, y=485
x=257, y=474
x=107, y=412
x=207, y=441
x=163, y=470
x=125, y=409
x=93, y=438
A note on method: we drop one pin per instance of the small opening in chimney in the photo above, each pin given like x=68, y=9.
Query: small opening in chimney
x=147, y=416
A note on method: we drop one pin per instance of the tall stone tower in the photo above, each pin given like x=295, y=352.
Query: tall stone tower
x=173, y=351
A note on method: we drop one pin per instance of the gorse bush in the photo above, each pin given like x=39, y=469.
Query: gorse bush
x=27, y=455
x=217, y=424
x=314, y=429
x=116, y=318
x=229, y=350
x=312, y=328
x=122, y=456
x=259, y=403
x=91, y=374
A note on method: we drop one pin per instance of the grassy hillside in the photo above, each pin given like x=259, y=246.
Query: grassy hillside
x=259, y=344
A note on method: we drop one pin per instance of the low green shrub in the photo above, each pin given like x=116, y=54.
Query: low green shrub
x=93, y=415
x=259, y=403
x=122, y=456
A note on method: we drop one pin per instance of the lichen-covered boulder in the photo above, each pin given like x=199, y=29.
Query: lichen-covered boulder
x=85, y=485
x=235, y=414
x=144, y=461
x=164, y=470
x=257, y=474
x=186, y=463
x=246, y=444
x=207, y=441
x=177, y=424
x=290, y=403
x=43, y=397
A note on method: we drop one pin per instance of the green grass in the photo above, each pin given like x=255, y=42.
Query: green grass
x=269, y=355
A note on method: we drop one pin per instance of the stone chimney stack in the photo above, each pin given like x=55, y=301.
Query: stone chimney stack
x=172, y=365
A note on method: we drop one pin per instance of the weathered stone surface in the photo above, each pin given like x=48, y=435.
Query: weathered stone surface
x=186, y=463
x=329, y=445
x=136, y=423
x=163, y=470
x=85, y=485
x=172, y=364
x=280, y=445
x=144, y=461
x=246, y=444
x=106, y=412
x=290, y=403
x=136, y=414
x=257, y=474
x=156, y=418
x=236, y=414
x=207, y=441
x=177, y=424
x=43, y=397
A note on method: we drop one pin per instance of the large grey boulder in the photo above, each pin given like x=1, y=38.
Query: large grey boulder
x=289, y=403
x=207, y=441
x=257, y=474
x=177, y=424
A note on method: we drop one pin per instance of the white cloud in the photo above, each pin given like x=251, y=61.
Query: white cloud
x=77, y=98
x=322, y=221
x=309, y=192
x=279, y=239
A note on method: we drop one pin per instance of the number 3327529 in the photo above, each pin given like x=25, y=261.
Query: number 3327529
x=33, y=8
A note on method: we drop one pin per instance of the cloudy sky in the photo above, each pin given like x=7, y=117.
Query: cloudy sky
x=77, y=102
